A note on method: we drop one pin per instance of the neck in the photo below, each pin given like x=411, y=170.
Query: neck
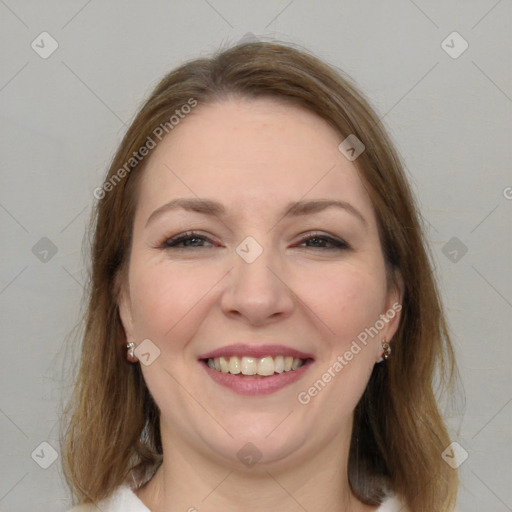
x=189, y=481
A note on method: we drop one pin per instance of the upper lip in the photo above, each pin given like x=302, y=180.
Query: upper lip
x=257, y=351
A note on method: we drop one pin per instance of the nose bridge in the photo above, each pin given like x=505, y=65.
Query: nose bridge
x=255, y=291
x=253, y=263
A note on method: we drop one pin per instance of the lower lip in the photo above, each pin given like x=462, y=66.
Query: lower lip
x=255, y=385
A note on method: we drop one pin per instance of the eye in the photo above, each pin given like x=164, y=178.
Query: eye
x=190, y=239
x=193, y=239
x=322, y=241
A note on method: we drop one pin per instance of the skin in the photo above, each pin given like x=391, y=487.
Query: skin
x=254, y=157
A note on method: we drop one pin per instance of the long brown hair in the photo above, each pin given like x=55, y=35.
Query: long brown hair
x=111, y=423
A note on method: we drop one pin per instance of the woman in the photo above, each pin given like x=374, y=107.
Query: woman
x=263, y=324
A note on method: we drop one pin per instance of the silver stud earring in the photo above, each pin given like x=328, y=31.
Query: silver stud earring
x=130, y=352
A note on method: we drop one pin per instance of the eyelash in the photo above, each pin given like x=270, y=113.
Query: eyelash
x=173, y=243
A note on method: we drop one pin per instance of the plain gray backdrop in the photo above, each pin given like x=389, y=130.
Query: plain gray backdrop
x=439, y=74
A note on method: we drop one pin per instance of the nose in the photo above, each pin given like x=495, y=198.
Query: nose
x=257, y=292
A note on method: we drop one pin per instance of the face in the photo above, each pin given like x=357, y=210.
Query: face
x=254, y=239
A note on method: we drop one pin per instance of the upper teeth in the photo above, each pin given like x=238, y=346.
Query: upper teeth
x=247, y=365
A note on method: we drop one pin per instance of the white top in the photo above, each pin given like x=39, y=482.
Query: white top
x=125, y=500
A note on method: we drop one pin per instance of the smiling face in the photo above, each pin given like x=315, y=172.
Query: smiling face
x=254, y=238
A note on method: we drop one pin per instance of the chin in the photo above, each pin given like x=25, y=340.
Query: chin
x=260, y=455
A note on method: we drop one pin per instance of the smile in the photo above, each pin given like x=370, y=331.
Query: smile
x=264, y=366
x=255, y=369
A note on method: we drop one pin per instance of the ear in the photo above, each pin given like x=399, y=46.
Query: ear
x=125, y=308
x=392, y=311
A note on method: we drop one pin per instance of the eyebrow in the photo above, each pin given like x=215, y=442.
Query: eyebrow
x=214, y=208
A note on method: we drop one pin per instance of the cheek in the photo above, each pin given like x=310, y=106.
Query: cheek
x=346, y=300
x=167, y=299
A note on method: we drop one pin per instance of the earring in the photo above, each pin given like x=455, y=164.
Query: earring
x=386, y=351
x=130, y=355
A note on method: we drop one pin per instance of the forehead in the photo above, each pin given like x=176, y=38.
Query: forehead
x=251, y=153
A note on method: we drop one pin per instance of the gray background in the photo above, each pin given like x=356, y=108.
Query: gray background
x=63, y=116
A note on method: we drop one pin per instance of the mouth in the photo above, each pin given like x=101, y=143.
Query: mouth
x=263, y=367
x=254, y=370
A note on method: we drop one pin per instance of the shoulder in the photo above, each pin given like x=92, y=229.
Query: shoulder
x=391, y=504
x=394, y=504
x=89, y=507
x=123, y=499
